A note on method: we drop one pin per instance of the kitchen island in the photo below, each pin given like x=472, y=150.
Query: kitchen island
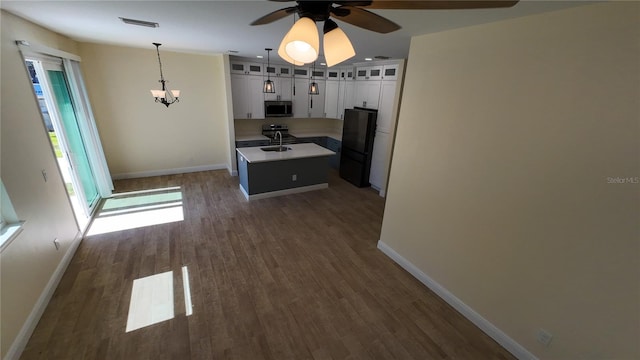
x=304, y=167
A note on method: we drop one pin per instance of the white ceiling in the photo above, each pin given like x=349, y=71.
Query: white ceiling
x=217, y=26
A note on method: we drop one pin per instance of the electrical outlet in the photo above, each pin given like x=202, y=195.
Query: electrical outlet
x=294, y=177
x=544, y=337
x=56, y=243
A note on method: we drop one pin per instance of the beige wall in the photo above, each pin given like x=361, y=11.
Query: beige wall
x=27, y=264
x=140, y=136
x=498, y=190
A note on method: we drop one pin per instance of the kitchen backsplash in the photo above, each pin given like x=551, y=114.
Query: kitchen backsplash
x=254, y=127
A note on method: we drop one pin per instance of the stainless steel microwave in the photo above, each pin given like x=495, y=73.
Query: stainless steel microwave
x=278, y=109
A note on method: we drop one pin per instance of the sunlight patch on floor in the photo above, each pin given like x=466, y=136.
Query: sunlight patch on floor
x=151, y=301
x=138, y=209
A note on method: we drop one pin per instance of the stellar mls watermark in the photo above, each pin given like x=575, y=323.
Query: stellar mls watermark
x=623, y=180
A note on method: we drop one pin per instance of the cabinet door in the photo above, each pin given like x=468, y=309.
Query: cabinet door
x=334, y=145
x=243, y=67
x=238, y=94
x=333, y=74
x=375, y=73
x=301, y=72
x=285, y=71
x=349, y=96
x=237, y=67
x=255, y=102
x=378, y=172
x=254, y=69
x=332, y=95
x=390, y=72
x=369, y=72
x=347, y=72
x=301, y=98
x=283, y=89
x=367, y=94
x=385, y=121
x=316, y=102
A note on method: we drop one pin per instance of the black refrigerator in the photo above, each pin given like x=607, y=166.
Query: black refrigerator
x=358, y=131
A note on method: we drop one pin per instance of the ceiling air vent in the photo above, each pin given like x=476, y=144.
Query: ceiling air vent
x=140, y=22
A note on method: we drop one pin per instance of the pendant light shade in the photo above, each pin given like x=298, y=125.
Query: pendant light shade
x=336, y=44
x=302, y=43
x=313, y=88
x=268, y=86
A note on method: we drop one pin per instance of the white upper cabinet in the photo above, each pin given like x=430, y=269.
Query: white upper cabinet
x=301, y=97
x=278, y=70
x=248, y=98
x=283, y=86
x=390, y=72
x=349, y=96
x=386, y=119
x=347, y=73
x=247, y=68
x=332, y=97
x=367, y=94
x=301, y=72
x=333, y=74
x=369, y=72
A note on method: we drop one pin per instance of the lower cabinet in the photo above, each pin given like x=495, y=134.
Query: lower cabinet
x=335, y=146
x=252, y=143
x=329, y=143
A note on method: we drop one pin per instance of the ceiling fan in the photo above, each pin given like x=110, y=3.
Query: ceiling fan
x=301, y=44
x=353, y=12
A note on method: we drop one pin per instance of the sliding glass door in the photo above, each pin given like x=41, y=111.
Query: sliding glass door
x=74, y=162
x=75, y=143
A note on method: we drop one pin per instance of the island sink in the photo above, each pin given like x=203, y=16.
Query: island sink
x=275, y=148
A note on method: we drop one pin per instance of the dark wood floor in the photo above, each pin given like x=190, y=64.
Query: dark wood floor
x=292, y=277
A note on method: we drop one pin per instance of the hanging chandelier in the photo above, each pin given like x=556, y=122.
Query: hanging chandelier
x=164, y=96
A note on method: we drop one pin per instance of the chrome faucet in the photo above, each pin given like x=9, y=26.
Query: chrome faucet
x=276, y=135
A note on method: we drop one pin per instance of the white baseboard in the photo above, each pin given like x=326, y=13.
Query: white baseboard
x=232, y=172
x=496, y=334
x=283, y=192
x=29, y=326
x=142, y=174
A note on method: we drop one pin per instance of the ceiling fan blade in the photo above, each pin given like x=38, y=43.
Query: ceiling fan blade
x=364, y=19
x=276, y=15
x=441, y=4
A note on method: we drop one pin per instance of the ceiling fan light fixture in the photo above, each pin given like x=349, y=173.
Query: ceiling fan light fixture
x=283, y=54
x=336, y=44
x=302, y=43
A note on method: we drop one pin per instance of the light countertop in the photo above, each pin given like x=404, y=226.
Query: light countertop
x=255, y=154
